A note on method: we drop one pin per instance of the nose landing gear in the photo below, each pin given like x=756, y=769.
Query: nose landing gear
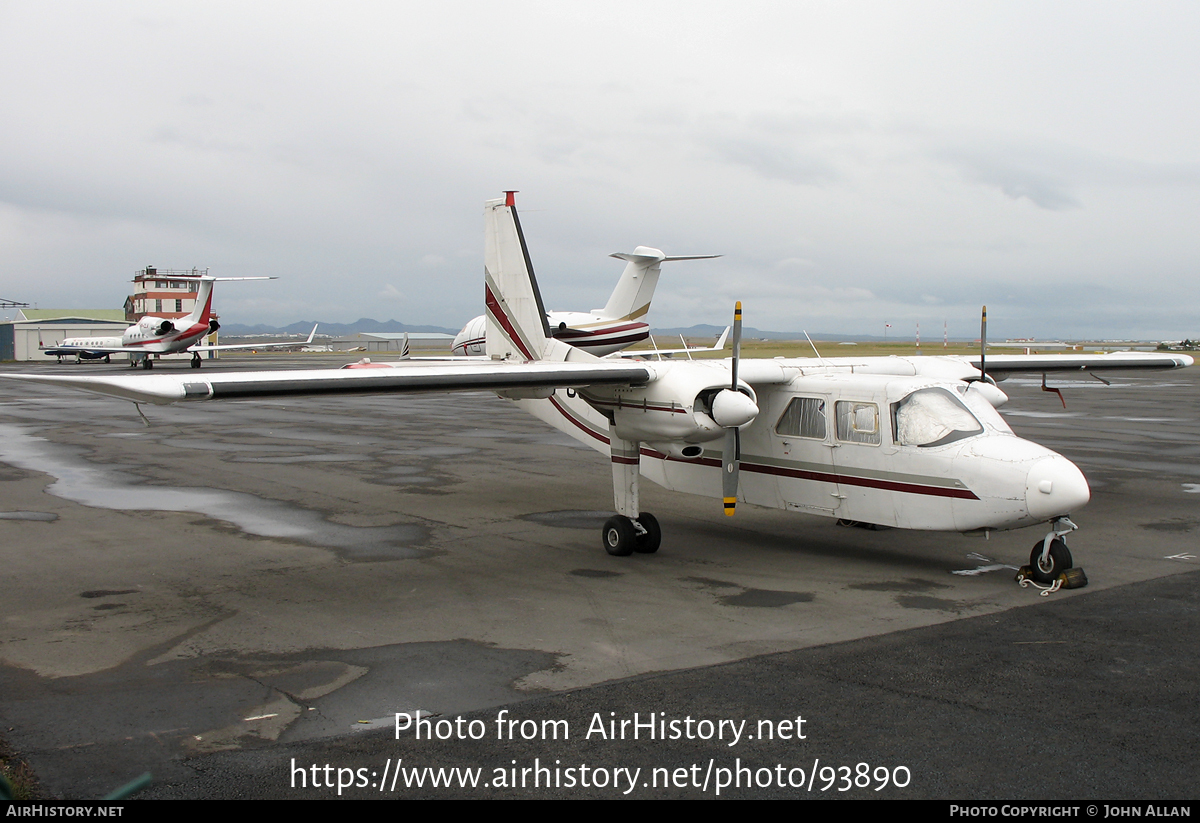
x=1050, y=562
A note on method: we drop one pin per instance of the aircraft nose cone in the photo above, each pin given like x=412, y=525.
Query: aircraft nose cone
x=1055, y=486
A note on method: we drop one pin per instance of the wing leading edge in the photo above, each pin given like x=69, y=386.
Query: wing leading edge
x=412, y=377
x=1004, y=364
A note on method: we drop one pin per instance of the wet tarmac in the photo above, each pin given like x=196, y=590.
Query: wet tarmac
x=239, y=584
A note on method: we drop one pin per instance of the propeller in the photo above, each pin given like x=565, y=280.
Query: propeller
x=983, y=384
x=982, y=379
x=731, y=410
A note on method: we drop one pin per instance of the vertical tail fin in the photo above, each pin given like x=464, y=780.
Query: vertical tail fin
x=631, y=298
x=202, y=311
x=516, y=318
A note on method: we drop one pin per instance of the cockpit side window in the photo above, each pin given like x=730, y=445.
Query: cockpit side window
x=804, y=417
x=932, y=417
x=857, y=422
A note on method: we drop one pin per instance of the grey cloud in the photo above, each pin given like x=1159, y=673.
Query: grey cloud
x=1050, y=175
x=1015, y=176
x=776, y=162
x=804, y=149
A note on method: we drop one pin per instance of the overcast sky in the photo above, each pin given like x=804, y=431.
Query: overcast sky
x=856, y=163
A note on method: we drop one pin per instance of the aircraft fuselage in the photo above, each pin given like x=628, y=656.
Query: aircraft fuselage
x=844, y=445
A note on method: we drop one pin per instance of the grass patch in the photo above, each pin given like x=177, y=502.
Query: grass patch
x=17, y=780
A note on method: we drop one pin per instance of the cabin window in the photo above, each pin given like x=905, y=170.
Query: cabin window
x=932, y=417
x=804, y=417
x=857, y=422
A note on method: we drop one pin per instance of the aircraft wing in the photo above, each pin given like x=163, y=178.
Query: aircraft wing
x=66, y=351
x=272, y=345
x=657, y=353
x=499, y=376
x=999, y=365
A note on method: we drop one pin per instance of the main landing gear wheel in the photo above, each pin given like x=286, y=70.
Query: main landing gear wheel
x=195, y=360
x=623, y=536
x=648, y=543
x=1058, y=561
x=147, y=362
x=619, y=536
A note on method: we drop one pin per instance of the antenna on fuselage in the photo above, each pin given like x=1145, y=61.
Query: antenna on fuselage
x=814, y=347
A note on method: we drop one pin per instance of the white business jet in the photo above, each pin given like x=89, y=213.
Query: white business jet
x=600, y=331
x=911, y=443
x=162, y=335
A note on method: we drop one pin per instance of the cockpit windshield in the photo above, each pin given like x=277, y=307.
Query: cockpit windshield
x=932, y=417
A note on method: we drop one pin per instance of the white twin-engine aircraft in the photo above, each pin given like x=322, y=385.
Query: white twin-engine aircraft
x=601, y=331
x=910, y=443
x=162, y=335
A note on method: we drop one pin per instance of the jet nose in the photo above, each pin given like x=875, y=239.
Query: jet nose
x=1055, y=486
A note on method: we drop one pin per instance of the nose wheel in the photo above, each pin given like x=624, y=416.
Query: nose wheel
x=1050, y=562
x=1047, y=562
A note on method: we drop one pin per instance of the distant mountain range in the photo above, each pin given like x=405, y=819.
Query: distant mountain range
x=366, y=324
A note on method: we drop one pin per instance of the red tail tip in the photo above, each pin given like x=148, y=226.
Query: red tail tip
x=510, y=198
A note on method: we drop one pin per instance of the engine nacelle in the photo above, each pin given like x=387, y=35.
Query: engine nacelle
x=165, y=327
x=677, y=407
x=213, y=325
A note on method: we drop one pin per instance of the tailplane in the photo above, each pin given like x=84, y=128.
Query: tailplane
x=202, y=312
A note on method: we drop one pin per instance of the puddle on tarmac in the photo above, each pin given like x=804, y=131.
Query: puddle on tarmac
x=766, y=598
x=912, y=584
x=193, y=444
x=107, y=488
x=433, y=451
x=305, y=458
x=570, y=519
x=596, y=573
x=47, y=517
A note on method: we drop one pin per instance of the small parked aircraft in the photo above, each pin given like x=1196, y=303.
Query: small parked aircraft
x=162, y=335
x=906, y=442
x=600, y=331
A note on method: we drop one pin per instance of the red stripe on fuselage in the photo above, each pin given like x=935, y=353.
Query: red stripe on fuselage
x=801, y=474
